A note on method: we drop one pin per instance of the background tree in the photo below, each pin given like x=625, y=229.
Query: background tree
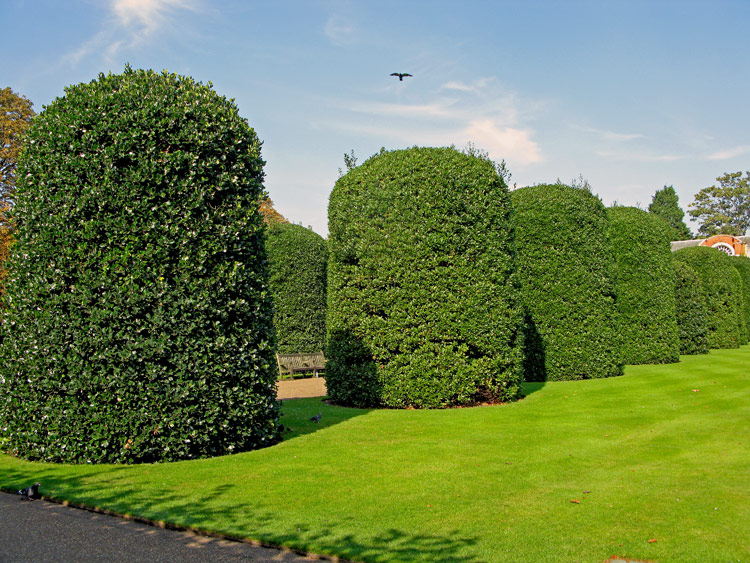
x=16, y=114
x=350, y=163
x=270, y=215
x=500, y=167
x=665, y=205
x=297, y=261
x=724, y=209
x=140, y=325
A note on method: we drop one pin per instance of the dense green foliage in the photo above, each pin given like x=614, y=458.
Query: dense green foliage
x=742, y=265
x=422, y=306
x=722, y=294
x=139, y=325
x=297, y=259
x=566, y=273
x=665, y=205
x=690, y=309
x=6, y=240
x=647, y=327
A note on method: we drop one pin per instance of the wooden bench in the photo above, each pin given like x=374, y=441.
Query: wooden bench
x=291, y=365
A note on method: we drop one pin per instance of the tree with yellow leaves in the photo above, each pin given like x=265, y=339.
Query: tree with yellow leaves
x=16, y=114
x=270, y=215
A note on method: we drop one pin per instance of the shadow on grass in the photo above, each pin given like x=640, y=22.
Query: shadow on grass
x=530, y=387
x=297, y=415
x=534, y=363
x=218, y=512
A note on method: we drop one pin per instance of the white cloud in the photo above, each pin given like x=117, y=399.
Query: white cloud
x=610, y=135
x=514, y=145
x=481, y=113
x=339, y=30
x=434, y=109
x=729, y=153
x=460, y=86
x=131, y=22
x=640, y=156
x=510, y=143
x=96, y=44
x=148, y=15
x=478, y=86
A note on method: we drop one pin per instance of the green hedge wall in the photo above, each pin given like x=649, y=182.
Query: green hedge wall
x=645, y=290
x=690, y=309
x=566, y=270
x=422, y=306
x=742, y=265
x=722, y=294
x=298, y=259
x=139, y=325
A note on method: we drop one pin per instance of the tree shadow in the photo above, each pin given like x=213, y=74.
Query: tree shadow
x=305, y=416
x=351, y=374
x=530, y=387
x=217, y=511
x=534, y=357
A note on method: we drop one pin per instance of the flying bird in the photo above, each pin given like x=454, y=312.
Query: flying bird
x=400, y=75
x=29, y=493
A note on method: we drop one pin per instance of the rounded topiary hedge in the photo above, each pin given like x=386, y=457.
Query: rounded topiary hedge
x=566, y=268
x=722, y=294
x=645, y=290
x=690, y=309
x=742, y=265
x=422, y=309
x=298, y=259
x=139, y=324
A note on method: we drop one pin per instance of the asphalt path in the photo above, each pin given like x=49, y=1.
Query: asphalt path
x=42, y=531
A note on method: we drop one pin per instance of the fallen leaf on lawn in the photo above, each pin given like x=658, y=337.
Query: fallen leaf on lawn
x=586, y=492
x=575, y=501
x=696, y=390
x=652, y=541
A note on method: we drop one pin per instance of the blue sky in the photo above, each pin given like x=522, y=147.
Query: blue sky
x=632, y=95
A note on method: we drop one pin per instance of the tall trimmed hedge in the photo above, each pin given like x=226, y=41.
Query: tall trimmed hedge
x=645, y=289
x=298, y=259
x=742, y=265
x=139, y=325
x=422, y=309
x=722, y=293
x=566, y=273
x=690, y=309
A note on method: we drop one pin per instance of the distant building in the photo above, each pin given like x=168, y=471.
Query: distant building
x=734, y=246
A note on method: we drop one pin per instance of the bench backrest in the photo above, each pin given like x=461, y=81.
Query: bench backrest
x=289, y=364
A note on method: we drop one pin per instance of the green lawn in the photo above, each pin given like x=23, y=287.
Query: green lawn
x=663, y=451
